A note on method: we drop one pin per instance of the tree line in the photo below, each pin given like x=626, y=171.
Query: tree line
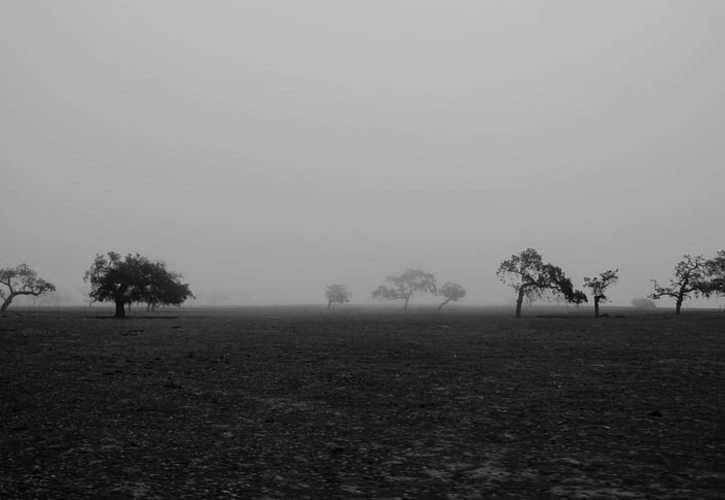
x=136, y=279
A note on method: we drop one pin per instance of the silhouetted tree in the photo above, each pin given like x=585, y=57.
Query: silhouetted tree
x=134, y=279
x=598, y=285
x=21, y=280
x=452, y=292
x=404, y=286
x=689, y=280
x=530, y=277
x=336, y=294
x=715, y=267
x=164, y=287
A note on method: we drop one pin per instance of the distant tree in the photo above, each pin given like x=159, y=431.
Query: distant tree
x=134, y=279
x=689, y=280
x=598, y=286
x=643, y=303
x=715, y=267
x=21, y=280
x=452, y=292
x=336, y=294
x=404, y=286
x=531, y=278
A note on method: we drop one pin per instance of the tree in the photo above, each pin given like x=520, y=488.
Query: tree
x=336, y=294
x=599, y=284
x=404, y=286
x=715, y=267
x=134, y=279
x=164, y=287
x=21, y=280
x=452, y=292
x=643, y=303
x=531, y=278
x=689, y=280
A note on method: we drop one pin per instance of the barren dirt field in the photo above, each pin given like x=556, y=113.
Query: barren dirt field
x=305, y=403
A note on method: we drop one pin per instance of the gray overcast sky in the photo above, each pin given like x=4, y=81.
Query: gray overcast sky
x=267, y=149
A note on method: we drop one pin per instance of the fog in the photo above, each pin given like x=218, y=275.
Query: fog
x=266, y=149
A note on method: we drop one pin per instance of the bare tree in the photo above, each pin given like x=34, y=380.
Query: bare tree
x=404, y=286
x=336, y=294
x=598, y=286
x=530, y=277
x=453, y=292
x=21, y=280
x=689, y=280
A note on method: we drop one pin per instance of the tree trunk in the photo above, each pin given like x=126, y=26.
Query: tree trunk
x=329, y=304
x=596, y=306
x=519, y=301
x=678, y=305
x=120, y=310
x=6, y=302
x=443, y=303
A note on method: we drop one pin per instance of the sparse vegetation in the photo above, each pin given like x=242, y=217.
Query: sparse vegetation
x=292, y=404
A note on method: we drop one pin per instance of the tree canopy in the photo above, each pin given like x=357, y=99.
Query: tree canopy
x=336, y=294
x=689, y=280
x=21, y=280
x=531, y=278
x=452, y=292
x=134, y=279
x=406, y=285
x=599, y=284
x=715, y=268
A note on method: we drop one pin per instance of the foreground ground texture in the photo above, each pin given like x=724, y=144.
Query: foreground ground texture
x=354, y=404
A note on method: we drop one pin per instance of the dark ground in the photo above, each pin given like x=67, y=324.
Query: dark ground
x=301, y=403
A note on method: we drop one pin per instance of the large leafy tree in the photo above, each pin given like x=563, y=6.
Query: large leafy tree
x=689, y=280
x=21, y=280
x=599, y=284
x=452, y=292
x=336, y=294
x=134, y=279
x=531, y=278
x=164, y=287
x=403, y=287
